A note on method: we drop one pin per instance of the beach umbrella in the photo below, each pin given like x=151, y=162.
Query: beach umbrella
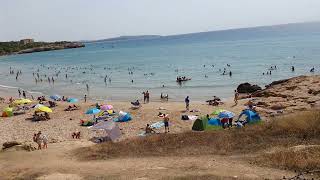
x=38, y=105
x=72, y=100
x=106, y=107
x=93, y=111
x=22, y=101
x=218, y=111
x=44, y=109
x=55, y=97
x=226, y=114
x=7, y=112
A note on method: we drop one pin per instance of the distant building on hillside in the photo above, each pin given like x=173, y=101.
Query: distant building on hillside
x=26, y=41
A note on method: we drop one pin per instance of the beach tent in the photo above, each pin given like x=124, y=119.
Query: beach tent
x=7, y=112
x=214, y=122
x=123, y=117
x=110, y=128
x=205, y=124
x=252, y=117
x=226, y=114
x=55, y=97
x=93, y=111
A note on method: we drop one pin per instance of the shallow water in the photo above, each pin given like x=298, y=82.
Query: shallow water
x=160, y=59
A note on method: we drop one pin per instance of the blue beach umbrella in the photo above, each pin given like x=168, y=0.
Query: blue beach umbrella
x=93, y=111
x=226, y=114
x=72, y=100
x=55, y=97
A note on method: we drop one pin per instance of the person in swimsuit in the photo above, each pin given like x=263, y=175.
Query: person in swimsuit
x=166, y=123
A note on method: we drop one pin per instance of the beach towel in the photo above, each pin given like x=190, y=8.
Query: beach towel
x=157, y=125
x=192, y=117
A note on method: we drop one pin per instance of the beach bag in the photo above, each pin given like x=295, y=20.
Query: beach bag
x=184, y=117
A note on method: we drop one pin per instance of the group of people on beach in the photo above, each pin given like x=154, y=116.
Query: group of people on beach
x=146, y=96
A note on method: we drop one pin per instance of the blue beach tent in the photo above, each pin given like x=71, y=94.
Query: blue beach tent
x=252, y=117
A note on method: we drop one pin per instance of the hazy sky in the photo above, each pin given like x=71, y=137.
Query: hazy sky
x=51, y=20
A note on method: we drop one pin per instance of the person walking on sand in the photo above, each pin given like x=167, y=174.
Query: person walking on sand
x=85, y=98
x=166, y=123
x=236, y=97
x=45, y=141
x=187, y=101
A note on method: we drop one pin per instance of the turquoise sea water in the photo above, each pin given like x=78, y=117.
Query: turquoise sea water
x=158, y=62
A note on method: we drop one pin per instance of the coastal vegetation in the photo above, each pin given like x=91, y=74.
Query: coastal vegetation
x=286, y=142
x=16, y=47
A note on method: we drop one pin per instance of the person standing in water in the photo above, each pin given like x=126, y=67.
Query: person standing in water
x=292, y=68
x=87, y=87
x=144, y=97
x=187, y=101
x=19, y=91
x=85, y=98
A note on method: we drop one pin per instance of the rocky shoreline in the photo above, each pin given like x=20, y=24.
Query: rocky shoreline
x=52, y=48
x=14, y=48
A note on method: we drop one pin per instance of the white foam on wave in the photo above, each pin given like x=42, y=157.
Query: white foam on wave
x=13, y=87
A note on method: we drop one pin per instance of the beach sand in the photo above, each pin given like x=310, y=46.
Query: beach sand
x=63, y=123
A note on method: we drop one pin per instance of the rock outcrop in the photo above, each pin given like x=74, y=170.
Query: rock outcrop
x=248, y=88
x=289, y=95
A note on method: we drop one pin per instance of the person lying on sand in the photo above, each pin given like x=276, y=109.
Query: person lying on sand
x=137, y=103
x=47, y=115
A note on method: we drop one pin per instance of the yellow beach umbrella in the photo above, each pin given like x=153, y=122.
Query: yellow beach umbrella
x=43, y=109
x=22, y=101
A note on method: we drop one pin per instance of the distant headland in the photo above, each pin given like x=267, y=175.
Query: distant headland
x=30, y=46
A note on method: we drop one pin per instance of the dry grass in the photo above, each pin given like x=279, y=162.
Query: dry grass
x=307, y=158
x=21, y=174
x=296, y=129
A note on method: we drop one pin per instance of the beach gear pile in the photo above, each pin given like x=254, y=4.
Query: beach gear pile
x=216, y=123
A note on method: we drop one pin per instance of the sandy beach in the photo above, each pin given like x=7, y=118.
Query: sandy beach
x=62, y=123
x=278, y=100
